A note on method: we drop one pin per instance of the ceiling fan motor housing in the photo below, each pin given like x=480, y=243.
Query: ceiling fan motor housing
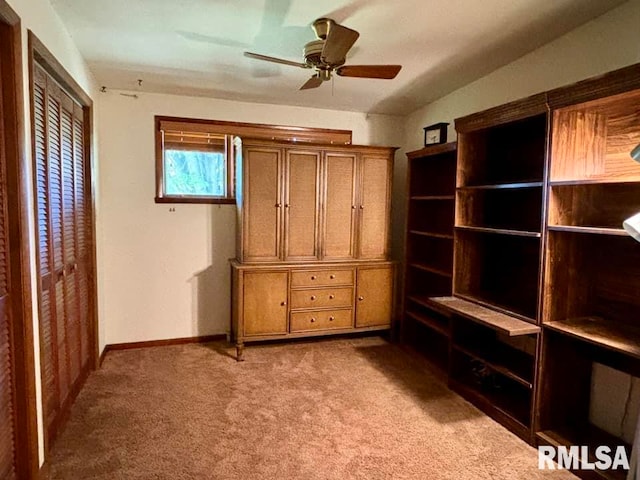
x=313, y=55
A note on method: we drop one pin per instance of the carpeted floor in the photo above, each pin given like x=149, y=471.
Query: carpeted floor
x=332, y=409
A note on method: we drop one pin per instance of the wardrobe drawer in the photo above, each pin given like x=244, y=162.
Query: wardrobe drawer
x=313, y=278
x=322, y=320
x=322, y=297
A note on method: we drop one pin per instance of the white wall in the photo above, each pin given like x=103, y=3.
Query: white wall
x=604, y=44
x=39, y=17
x=166, y=274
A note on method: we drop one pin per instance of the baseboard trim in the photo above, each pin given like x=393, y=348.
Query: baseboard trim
x=162, y=343
x=44, y=471
x=102, y=355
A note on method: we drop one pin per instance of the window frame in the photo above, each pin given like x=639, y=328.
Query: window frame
x=228, y=150
x=233, y=129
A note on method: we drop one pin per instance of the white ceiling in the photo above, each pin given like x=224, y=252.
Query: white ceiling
x=195, y=47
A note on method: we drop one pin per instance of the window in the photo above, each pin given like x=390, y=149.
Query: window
x=194, y=166
x=195, y=158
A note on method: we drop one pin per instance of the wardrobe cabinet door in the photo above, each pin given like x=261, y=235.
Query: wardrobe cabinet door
x=264, y=300
x=374, y=296
x=262, y=216
x=339, y=206
x=301, y=205
x=374, y=207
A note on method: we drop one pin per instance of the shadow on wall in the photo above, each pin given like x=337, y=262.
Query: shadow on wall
x=211, y=287
x=205, y=308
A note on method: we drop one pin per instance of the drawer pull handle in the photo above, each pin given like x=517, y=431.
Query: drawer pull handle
x=331, y=319
x=313, y=319
x=313, y=297
x=313, y=277
x=278, y=205
x=332, y=277
x=360, y=298
x=283, y=304
x=361, y=207
x=332, y=296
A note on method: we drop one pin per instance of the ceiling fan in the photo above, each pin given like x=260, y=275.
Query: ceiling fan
x=328, y=54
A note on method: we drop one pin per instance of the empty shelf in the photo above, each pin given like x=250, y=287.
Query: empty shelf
x=500, y=231
x=614, y=336
x=485, y=316
x=620, y=232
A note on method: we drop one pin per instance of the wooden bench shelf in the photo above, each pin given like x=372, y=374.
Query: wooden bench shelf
x=501, y=322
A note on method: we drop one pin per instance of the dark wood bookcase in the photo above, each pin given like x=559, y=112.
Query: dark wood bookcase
x=592, y=286
x=545, y=281
x=429, y=250
x=498, y=231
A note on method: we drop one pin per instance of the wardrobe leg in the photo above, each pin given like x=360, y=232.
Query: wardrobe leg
x=240, y=352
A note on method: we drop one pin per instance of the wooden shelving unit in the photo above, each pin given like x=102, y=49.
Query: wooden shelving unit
x=545, y=280
x=592, y=286
x=429, y=250
x=499, y=230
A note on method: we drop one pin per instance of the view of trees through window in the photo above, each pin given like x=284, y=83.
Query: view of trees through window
x=195, y=172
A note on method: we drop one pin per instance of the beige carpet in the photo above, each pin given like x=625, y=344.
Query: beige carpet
x=332, y=409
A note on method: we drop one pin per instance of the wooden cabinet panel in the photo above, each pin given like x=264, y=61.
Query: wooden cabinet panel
x=263, y=204
x=302, y=205
x=339, y=206
x=374, y=292
x=322, y=297
x=312, y=278
x=323, y=320
x=375, y=192
x=265, y=303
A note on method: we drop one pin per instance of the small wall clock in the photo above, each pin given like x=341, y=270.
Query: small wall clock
x=434, y=134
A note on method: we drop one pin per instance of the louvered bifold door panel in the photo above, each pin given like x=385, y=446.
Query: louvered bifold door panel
x=7, y=401
x=65, y=270
x=82, y=238
x=69, y=241
x=56, y=223
x=48, y=336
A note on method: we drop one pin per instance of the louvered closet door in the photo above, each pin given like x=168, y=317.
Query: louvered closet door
x=7, y=418
x=83, y=260
x=63, y=258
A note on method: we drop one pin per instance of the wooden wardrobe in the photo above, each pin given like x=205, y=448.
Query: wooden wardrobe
x=313, y=241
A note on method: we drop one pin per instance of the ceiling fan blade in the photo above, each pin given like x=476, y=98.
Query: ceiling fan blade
x=386, y=72
x=313, y=82
x=339, y=41
x=257, y=56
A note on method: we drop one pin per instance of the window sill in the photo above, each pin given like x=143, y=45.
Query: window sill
x=213, y=201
